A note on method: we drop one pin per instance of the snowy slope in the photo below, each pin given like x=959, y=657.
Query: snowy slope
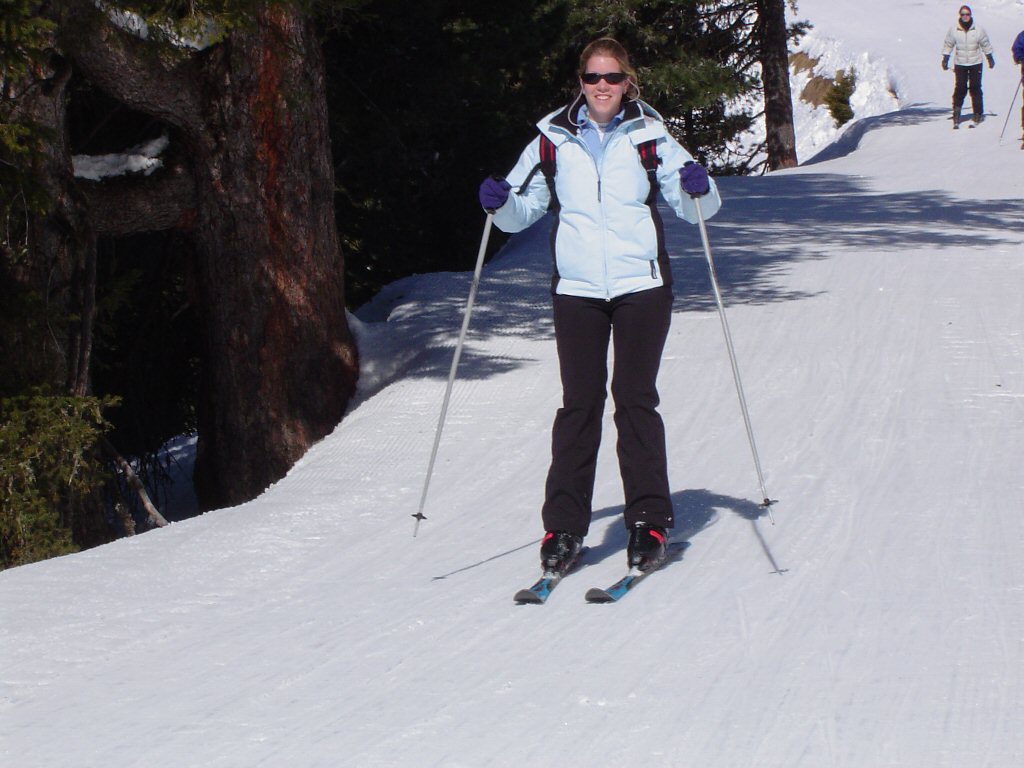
x=875, y=300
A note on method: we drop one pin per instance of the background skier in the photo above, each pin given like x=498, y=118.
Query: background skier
x=612, y=280
x=1018, y=58
x=970, y=41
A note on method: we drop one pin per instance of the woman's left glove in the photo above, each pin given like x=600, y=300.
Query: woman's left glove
x=694, y=179
x=991, y=60
x=494, y=193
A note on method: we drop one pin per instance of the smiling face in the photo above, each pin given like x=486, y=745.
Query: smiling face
x=604, y=100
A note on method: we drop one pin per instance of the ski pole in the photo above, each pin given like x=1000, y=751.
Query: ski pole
x=455, y=364
x=767, y=502
x=1009, y=112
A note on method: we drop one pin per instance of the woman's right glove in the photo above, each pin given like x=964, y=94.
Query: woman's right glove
x=493, y=193
x=945, y=61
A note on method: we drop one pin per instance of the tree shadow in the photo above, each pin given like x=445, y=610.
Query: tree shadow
x=766, y=225
x=850, y=139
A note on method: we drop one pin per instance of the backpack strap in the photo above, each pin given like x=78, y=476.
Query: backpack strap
x=650, y=161
x=548, y=167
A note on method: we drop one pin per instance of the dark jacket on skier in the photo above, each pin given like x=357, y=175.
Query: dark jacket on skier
x=1018, y=49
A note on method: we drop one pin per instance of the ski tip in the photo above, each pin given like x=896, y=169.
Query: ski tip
x=597, y=595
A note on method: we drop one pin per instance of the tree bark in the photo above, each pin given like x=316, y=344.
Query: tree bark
x=280, y=364
x=778, y=98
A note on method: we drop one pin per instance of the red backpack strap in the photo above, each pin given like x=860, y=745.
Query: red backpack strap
x=548, y=163
x=649, y=159
x=649, y=155
x=547, y=166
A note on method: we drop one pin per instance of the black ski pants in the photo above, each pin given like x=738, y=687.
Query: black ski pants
x=637, y=325
x=968, y=79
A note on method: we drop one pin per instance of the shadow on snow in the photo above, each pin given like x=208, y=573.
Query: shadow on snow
x=695, y=510
x=766, y=224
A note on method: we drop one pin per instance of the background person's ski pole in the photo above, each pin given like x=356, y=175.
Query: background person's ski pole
x=1009, y=112
x=767, y=502
x=455, y=364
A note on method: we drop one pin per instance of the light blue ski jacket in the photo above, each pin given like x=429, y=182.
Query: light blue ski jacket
x=607, y=236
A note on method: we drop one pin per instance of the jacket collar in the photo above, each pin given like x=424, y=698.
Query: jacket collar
x=568, y=118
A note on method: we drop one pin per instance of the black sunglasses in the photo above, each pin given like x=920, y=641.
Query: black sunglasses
x=612, y=78
x=965, y=13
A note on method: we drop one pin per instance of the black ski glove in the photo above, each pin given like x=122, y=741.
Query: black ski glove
x=945, y=61
x=991, y=61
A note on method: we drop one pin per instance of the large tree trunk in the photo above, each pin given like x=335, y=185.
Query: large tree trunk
x=280, y=361
x=280, y=364
x=778, y=99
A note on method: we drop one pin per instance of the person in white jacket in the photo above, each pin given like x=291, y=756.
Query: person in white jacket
x=970, y=43
x=598, y=165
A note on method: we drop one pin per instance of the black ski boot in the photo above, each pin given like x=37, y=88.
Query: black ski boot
x=559, y=550
x=956, y=119
x=646, y=546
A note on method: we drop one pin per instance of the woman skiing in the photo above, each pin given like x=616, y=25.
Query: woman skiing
x=970, y=42
x=598, y=165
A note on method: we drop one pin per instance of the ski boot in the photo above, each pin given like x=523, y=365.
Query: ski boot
x=956, y=119
x=978, y=119
x=559, y=550
x=646, y=547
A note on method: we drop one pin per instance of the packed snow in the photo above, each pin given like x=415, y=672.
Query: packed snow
x=875, y=300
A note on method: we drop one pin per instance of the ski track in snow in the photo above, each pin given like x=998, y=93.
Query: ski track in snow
x=874, y=299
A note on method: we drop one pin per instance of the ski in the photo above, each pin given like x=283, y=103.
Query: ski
x=623, y=586
x=539, y=593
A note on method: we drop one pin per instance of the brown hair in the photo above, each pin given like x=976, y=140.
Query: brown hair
x=608, y=46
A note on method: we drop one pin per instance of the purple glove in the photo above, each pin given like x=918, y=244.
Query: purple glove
x=694, y=179
x=494, y=193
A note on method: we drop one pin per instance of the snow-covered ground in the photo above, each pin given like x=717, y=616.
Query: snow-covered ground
x=875, y=299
